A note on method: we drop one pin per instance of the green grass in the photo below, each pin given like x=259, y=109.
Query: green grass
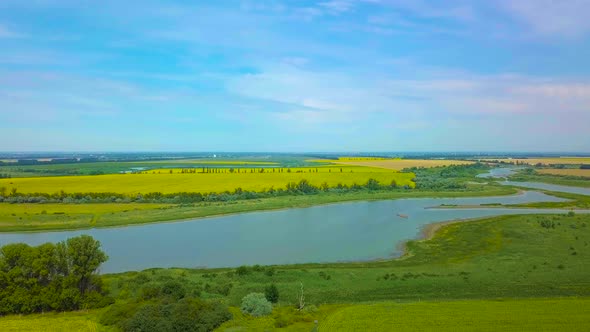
x=54, y=322
x=30, y=217
x=556, y=314
x=575, y=201
x=568, y=314
x=574, y=181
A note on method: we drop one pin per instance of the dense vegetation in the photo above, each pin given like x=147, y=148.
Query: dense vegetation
x=167, y=314
x=452, y=177
x=49, y=277
x=303, y=187
x=532, y=175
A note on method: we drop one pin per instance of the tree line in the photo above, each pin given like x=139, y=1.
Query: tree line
x=303, y=187
x=52, y=277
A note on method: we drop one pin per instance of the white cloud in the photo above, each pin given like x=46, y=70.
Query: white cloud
x=327, y=97
x=554, y=18
x=337, y=6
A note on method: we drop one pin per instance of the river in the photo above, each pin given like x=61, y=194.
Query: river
x=354, y=231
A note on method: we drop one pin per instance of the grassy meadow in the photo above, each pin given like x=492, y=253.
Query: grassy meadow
x=564, y=180
x=566, y=172
x=213, y=180
x=568, y=314
x=544, y=161
x=83, y=321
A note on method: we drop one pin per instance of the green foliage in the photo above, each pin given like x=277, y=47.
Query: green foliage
x=256, y=305
x=173, y=289
x=271, y=293
x=51, y=276
x=185, y=315
x=446, y=177
x=242, y=270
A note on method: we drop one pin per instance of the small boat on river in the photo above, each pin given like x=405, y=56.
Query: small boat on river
x=405, y=216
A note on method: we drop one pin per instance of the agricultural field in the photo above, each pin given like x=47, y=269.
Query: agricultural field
x=566, y=172
x=544, y=161
x=396, y=164
x=217, y=180
x=113, y=167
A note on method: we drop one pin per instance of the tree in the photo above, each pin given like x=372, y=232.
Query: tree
x=85, y=257
x=51, y=276
x=272, y=293
x=3, y=191
x=372, y=184
x=256, y=305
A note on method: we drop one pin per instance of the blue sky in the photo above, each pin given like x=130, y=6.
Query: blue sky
x=340, y=75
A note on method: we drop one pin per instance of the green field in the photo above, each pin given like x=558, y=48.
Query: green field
x=165, y=182
x=568, y=314
x=84, y=321
x=575, y=181
x=558, y=314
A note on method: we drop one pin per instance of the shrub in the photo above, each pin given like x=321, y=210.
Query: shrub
x=270, y=271
x=256, y=305
x=242, y=270
x=272, y=293
x=149, y=291
x=188, y=314
x=173, y=289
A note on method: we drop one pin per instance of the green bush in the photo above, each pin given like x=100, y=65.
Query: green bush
x=272, y=293
x=255, y=304
x=242, y=270
x=173, y=289
x=149, y=291
x=186, y=315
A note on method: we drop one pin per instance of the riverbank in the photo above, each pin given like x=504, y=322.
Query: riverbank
x=563, y=180
x=124, y=214
x=513, y=258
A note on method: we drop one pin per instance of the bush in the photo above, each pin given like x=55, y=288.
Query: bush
x=256, y=305
x=188, y=314
x=149, y=291
x=271, y=293
x=173, y=289
x=242, y=270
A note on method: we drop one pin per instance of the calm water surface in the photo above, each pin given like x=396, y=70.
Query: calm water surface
x=504, y=172
x=330, y=233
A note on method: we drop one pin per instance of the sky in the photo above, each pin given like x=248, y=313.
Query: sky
x=295, y=76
